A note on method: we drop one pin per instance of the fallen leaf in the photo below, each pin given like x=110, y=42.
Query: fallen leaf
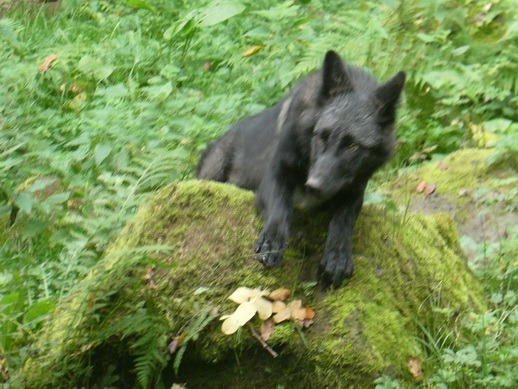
x=430, y=189
x=175, y=344
x=282, y=315
x=149, y=278
x=441, y=165
x=149, y=274
x=293, y=311
x=267, y=329
x=244, y=294
x=207, y=66
x=280, y=294
x=252, y=50
x=239, y=318
x=421, y=187
x=214, y=311
x=310, y=314
x=306, y=323
x=297, y=312
x=278, y=306
x=415, y=367
x=47, y=63
x=264, y=307
x=428, y=150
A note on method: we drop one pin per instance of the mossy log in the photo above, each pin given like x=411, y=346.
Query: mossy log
x=190, y=247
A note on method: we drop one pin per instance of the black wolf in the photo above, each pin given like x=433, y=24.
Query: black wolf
x=320, y=144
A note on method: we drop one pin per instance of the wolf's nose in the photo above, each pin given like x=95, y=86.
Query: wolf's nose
x=313, y=185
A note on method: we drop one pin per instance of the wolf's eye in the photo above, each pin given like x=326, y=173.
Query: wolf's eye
x=352, y=147
x=348, y=145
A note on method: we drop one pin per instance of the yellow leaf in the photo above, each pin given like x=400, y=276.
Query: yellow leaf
x=252, y=50
x=244, y=294
x=242, y=314
x=264, y=307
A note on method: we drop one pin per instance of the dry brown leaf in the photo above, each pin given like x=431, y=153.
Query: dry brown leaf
x=280, y=294
x=149, y=274
x=214, y=311
x=421, y=187
x=415, y=367
x=441, y=165
x=47, y=63
x=297, y=312
x=293, y=310
x=278, y=306
x=430, y=189
x=267, y=329
x=282, y=315
x=149, y=278
x=310, y=314
x=175, y=343
x=306, y=323
x=252, y=50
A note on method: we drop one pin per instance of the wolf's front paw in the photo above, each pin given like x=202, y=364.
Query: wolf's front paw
x=335, y=266
x=269, y=248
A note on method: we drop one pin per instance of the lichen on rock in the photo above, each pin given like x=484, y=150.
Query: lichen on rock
x=190, y=247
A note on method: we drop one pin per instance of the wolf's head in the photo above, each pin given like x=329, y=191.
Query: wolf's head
x=354, y=134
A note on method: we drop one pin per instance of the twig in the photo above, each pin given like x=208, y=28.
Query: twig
x=261, y=340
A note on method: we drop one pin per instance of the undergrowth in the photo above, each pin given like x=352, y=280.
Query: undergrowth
x=138, y=88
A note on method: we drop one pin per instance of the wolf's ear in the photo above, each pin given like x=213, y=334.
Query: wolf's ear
x=387, y=96
x=334, y=76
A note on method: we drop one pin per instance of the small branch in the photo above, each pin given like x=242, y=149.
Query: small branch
x=261, y=340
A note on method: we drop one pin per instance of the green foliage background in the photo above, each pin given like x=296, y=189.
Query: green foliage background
x=139, y=87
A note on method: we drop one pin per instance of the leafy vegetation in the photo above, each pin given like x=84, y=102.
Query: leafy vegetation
x=138, y=88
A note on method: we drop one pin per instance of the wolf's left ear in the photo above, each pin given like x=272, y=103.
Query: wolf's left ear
x=387, y=96
x=334, y=77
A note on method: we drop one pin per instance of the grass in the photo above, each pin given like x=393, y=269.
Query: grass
x=139, y=88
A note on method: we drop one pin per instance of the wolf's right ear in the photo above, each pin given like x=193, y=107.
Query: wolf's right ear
x=334, y=76
x=387, y=96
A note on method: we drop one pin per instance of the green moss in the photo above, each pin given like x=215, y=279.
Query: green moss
x=464, y=170
x=362, y=330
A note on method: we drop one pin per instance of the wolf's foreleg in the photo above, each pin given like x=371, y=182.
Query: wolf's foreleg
x=337, y=263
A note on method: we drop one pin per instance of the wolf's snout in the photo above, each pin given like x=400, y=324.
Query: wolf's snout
x=314, y=185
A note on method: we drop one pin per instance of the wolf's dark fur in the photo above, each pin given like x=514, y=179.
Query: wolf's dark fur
x=322, y=143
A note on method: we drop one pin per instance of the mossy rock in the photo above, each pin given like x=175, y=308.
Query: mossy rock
x=114, y=328
x=476, y=187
